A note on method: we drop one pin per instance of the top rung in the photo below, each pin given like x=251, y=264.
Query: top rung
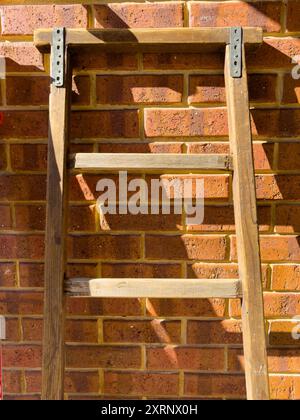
x=175, y=39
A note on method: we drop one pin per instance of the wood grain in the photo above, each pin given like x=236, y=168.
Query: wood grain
x=245, y=207
x=54, y=304
x=154, y=288
x=174, y=39
x=141, y=161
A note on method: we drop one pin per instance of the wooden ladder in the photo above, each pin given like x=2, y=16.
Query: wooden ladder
x=234, y=42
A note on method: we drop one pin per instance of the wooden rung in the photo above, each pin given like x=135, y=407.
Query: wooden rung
x=141, y=161
x=174, y=39
x=154, y=288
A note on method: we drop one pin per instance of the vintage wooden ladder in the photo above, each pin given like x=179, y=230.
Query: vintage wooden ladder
x=234, y=42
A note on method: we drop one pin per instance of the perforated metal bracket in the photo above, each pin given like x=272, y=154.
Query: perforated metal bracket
x=236, y=42
x=58, y=56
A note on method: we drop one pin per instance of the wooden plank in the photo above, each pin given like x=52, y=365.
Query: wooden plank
x=154, y=288
x=141, y=161
x=54, y=306
x=244, y=196
x=187, y=39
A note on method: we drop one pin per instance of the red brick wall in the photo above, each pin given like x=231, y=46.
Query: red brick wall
x=149, y=103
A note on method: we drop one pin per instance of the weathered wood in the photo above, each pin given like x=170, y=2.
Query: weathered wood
x=141, y=161
x=154, y=288
x=54, y=305
x=176, y=39
x=244, y=197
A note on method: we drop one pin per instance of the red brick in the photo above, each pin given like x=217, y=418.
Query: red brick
x=31, y=275
x=105, y=307
x=8, y=275
x=291, y=90
x=263, y=155
x=284, y=360
x=278, y=187
x=28, y=157
x=211, y=88
x=230, y=386
x=12, y=381
x=104, y=247
x=186, y=122
x=213, y=308
x=103, y=356
x=82, y=270
x=221, y=219
x=134, y=331
x=12, y=329
x=286, y=277
x=186, y=247
x=285, y=388
x=281, y=333
x=275, y=248
x=210, y=14
x=22, y=187
x=139, y=15
x=220, y=271
x=281, y=123
x=3, y=159
x=293, y=16
x=139, y=89
x=22, y=356
x=77, y=330
x=82, y=218
x=21, y=57
x=141, y=222
x=213, y=271
x=165, y=61
x=170, y=357
x=212, y=332
x=23, y=20
x=93, y=59
x=77, y=382
x=288, y=157
x=24, y=124
x=281, y=360
x=277, y=305
x=27, y=90
x=275, y=52
x=104, y=124
x=81, y=90
x=22, y=246
x=282, y=304
x=5, y=217
x=21, y=303
x=263, y=152
x=141, y=270
x=140, y=383
x=216, y=187
x=83, y=186
x=287, y=219
x=140, y=147
x=30, y=217
x=82, y=330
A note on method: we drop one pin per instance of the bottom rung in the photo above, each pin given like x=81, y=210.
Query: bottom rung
x=154, y=288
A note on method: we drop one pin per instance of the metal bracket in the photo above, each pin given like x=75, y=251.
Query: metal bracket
x=58, y=56
x=236, y=42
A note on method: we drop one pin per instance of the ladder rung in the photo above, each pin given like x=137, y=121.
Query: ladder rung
x=147, y=39
x=141, y=161
x=154, y=288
